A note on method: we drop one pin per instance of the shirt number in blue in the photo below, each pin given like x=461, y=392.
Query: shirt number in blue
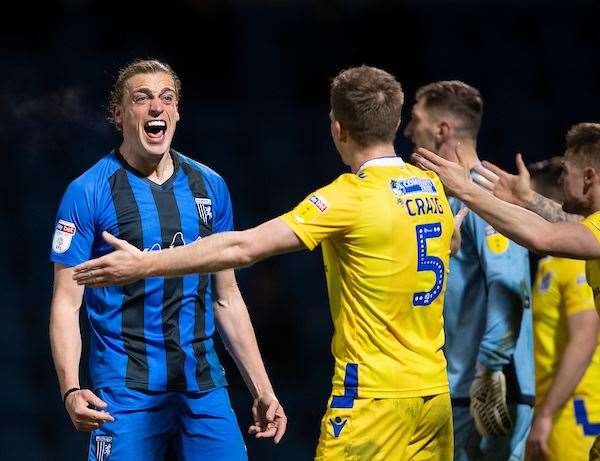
x=428, y=263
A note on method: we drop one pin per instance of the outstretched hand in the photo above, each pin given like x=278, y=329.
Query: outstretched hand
x=512, y=188
x=120, y=267
x=268, y=418
x=454, y=176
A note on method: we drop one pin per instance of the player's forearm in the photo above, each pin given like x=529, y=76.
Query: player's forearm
x=65, y=342
x=520, y=225
x=549, y=209
x=573, y=364
x=211, y=254
x=240, y=340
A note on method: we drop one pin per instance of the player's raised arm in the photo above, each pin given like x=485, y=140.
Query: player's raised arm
x=517, y=189
x=212, y=254
x=523, y=226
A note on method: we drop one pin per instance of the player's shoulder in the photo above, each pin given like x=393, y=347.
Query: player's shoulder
x=209, y=175
x=95, y=176
x=566, y=266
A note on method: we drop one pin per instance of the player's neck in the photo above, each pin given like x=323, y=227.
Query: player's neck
x=360, y=155
x=467, y=151
x=156, y=168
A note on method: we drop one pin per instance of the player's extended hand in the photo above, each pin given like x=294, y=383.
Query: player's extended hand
x=120, y=267
x=537, y=442
x=512, y=188
x=268, y=417
x=84, y=418
x=456, y=237
x=454, y=176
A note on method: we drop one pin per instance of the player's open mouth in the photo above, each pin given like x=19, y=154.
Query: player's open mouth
x=155, y=129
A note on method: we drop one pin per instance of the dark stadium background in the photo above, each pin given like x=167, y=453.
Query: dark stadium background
x=255, y=103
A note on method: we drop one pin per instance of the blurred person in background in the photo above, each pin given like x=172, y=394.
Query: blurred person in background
x=386, y=231
x=487, y=318
x=156, y=376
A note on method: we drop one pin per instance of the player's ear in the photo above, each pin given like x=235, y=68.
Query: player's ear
x=117, y=113
x=176, y=111
x=444, y=130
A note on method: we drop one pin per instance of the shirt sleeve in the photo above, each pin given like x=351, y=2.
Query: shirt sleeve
x=74, y=227
x=223, y=219
x=592, y=222
x=505, y=267
x=577, y=294
x=325, y=213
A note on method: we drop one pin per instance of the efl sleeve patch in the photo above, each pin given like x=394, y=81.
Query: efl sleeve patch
x=496, y=242
x=63, y=235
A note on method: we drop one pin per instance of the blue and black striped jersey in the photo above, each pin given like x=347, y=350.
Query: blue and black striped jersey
x=154, y=334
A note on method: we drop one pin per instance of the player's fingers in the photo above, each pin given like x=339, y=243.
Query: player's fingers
x=267, y=433
x=90, y=415
x=521, y=167
x=487, y=174
x=459, y=157
x=424, y=164
x=281, y=427
x=87, y=427
x=115, y=242
x=460, y=216
x=483, y=182
x=273, y=406
x=87, y=266
x=92, y=398
x=494, y=169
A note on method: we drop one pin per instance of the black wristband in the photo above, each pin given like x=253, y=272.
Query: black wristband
x=73, y=389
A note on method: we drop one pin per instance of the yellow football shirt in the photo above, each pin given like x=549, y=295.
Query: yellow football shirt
x=560, y=291
x=385, y=234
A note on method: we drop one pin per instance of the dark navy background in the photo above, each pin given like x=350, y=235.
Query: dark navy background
x=255, y=102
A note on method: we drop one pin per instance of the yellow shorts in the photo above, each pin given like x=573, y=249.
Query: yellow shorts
x=574, y=430
x=415, y=429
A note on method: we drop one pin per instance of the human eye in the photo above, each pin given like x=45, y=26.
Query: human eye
x=140, y=98
x=168, y=98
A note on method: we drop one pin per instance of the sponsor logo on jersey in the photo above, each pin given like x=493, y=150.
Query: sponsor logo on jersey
x=204, y=206
x=103, y=447
x=496, y=242
x=337, y=425
x=63, y=235
x=407, y=186
x=319, y=202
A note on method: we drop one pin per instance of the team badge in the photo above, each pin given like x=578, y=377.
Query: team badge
x=204, y=206
x=63, y=235
x=496, y=242
x=103, y=447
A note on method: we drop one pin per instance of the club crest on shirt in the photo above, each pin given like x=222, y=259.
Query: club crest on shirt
x=496, y=242
x=63, y=235
x=204, y=206
x=103, y=447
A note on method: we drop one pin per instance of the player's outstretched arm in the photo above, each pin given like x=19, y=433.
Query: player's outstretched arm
x=566, y=239
x=65, y=341
x=235, y=328
x=217, y=252
x=516, y=188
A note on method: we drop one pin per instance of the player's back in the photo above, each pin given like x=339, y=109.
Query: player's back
x=386, y=235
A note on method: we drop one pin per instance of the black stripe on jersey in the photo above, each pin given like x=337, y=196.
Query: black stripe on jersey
x=170, y=227
x=203, y=377
x=132, y=318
